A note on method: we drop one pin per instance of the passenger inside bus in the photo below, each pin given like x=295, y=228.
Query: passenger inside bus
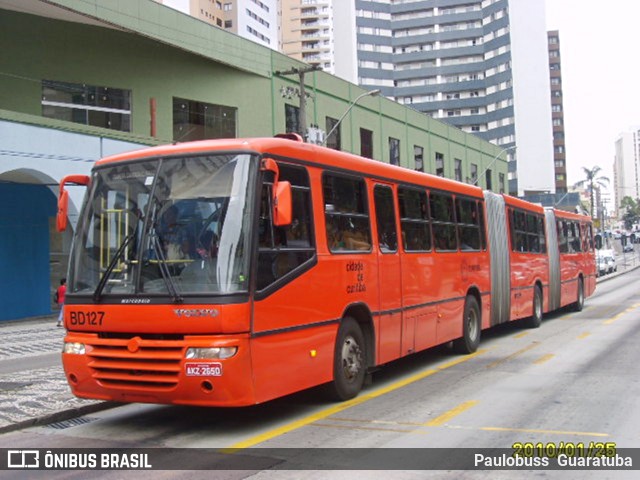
x=173, y=239
x=343, y=234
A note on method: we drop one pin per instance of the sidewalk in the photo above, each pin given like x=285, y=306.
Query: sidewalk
x=35, y=396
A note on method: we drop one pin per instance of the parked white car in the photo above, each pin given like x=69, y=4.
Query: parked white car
x=606, y=262
x=601, y=265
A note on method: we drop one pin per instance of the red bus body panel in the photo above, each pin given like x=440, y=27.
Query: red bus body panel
x=286, y=340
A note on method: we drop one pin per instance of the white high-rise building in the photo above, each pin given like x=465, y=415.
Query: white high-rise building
x=321, y=33
x=626, y=166
x=481, y=65
x=255, y=20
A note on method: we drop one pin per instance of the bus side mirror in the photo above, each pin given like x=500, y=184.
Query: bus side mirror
x=282, y=201
x=63, y=209
x=282, y=204
x=63, y=199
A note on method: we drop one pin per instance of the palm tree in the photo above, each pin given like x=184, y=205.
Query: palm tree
x=592, y=179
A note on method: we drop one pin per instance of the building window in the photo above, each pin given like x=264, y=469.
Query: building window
x=291, y=116
x=333, y=140
x=394, y=151
x=458, y=169
x=228, y=24
x=86, y=104
x=487, y=179
x=418, y=157
x=474, y=173
x=439, y=164
x=366, y=143
x=198, y=120
x=501, y=182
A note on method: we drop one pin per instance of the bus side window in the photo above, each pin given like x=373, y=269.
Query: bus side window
x=468, y=224
x=283, y=249
x=386, y=215
x=443, y=222
x=542, y=237
x=414, y=220
x=563, y=241
x=346, y=214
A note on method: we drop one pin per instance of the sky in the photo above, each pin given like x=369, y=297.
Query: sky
x=600, y=61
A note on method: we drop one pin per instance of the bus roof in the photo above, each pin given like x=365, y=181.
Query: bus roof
x=523, y=204
x=571, y=216
x=307, y=152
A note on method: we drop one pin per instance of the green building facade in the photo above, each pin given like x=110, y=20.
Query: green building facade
x=80, y=79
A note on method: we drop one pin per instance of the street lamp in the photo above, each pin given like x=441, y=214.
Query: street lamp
x=371, y=93
x=512, y=147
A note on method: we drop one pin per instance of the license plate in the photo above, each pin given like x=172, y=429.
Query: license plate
x=203, y=369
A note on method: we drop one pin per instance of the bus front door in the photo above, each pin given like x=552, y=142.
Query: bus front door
x=389, y=321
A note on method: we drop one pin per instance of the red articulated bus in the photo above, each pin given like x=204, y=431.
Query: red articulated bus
x=231, y=272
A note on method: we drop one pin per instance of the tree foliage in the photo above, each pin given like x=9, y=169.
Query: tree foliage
x=592, y=180
x=631, y=214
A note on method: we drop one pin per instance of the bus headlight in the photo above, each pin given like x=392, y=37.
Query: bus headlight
x=210, y=352
x=74, y=348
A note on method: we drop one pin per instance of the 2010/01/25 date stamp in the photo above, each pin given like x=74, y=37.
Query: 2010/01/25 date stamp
x=568, y=449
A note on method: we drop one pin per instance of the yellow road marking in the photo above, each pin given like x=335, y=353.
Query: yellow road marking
x=327, y=412
x=380, y=422
x=520, y=335
x=544, y=358
x=583, y=335
x=454, y=412
x=616, y=317
x=375, y=429
x=552, y=432
x=513, y=355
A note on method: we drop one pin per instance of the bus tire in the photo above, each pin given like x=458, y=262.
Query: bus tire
x=349, y=361
x=577, y=307
x=471, y=327
x=535, y=319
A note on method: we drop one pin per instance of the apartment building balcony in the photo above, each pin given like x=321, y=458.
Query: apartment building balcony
x=317, y=35
x=317, y=48
x=316, y=58
x=315, y=25
x=313, y=14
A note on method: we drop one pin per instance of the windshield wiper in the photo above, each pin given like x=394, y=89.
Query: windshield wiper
x=97, y=294
x=164, y=271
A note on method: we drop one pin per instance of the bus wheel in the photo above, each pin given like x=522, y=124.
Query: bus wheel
x=577, y=307
x=349, y=361
x=535, y=320
x=470, y=339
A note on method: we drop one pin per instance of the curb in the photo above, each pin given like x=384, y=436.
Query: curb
x=616, y=275
x=59, y=416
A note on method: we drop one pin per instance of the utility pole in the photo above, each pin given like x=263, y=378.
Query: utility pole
x=302, y=112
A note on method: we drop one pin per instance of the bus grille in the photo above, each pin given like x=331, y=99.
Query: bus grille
x=136, y=363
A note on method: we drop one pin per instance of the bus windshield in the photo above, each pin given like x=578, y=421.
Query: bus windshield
x=175, y=226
